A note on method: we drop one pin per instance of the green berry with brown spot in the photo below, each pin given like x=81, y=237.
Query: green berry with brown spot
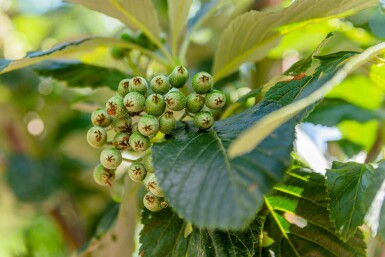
x=215, y=99
x=194, y=102
x=152, y=202
x=115, y=107
x=204, y=120
x=202, y=82
x=137, y=172
x=178, y=77
x=134, y=102
x=160, y=84
x=97, y=136
x=111, y=158
x=148, y=125
x=153, y=186
x=120, y=141
x=138, y=142
x=155, y=105
x=167, y=123
x=138, y=84
x=103, y=176
x=101, y=118
x=123, y=87
x=123, y=124
x=175, y=101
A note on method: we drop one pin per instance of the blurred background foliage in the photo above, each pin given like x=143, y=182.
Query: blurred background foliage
x=50, y=205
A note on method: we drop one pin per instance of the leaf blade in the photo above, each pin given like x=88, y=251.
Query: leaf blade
x=242, y=42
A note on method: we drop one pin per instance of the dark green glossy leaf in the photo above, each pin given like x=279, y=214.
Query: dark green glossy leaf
x=78, y=74
x=374, y=202
x=346, y=184
x=163, y=235
x=298, y=221
x=331, y=112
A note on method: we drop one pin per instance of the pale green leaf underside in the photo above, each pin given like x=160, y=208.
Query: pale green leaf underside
x=177, y=14
x=250, y=36
x=67, y=48
x=261, y=129
x=346, y=185
x=136, y=14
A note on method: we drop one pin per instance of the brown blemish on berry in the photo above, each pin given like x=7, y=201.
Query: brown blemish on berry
x=98, y=135
x=137, y=81
x=219, y=101
x=129, y=104
x=107, y=178
x=150, y=199
x=147, y=128
x=168, y=114
x=206, y=121
x=138, y=145
x=152, y=185
x=110, y=158
x=159, y=81
x=204, y=78
x=111, y=108
x=155, y=98
x=100, y=119
x=126, y=84
x=180, y=69
x=170, y=101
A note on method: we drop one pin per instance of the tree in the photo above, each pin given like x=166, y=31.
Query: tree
x=235, y=186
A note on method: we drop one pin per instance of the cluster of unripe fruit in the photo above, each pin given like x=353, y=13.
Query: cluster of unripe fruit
x=155, y=113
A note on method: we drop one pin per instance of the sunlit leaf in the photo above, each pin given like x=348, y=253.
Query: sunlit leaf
x=250, y=36
x=136, y=14
x=177, y=14
x=63, y=50
x=252, y=137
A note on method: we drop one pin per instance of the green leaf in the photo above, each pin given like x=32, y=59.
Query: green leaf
x=64, y=49
x=177, y=14
x=251, y=35
x=294, y=222
x=377, y=75
x=346, y=184
x=78, y=74
x=374, y=202
x=136, y=14
x=316, y=90
x=208, y=188
x=297, y=219
x=163, y=235
x=331, y=112
x=349, y=148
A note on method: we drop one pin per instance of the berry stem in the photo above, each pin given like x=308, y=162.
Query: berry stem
x=132, y=160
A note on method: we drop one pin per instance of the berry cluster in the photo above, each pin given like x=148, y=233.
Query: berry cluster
x=153, y=113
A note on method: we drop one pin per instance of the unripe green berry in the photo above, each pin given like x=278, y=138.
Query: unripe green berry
x=137, y=172
x=111, y=158
x=153, y=186
x=203, y=120
x=128, y=37
x=122, y=124
x=134, y=102
x=215, y=99
x=138, y=84
x=120, y=141
x=148, y=125
x=202, y=82
x=155, y=105
x=115, y=107
x=175, y=101
x=194, y=102
x=178, y=77
x=103, y=176
x=167, y=123
x=96, y=136
x=123, y=87
x=138, y=142
x=147, y=163
x=100, y=117
x=152, y=202
x=160, y=84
